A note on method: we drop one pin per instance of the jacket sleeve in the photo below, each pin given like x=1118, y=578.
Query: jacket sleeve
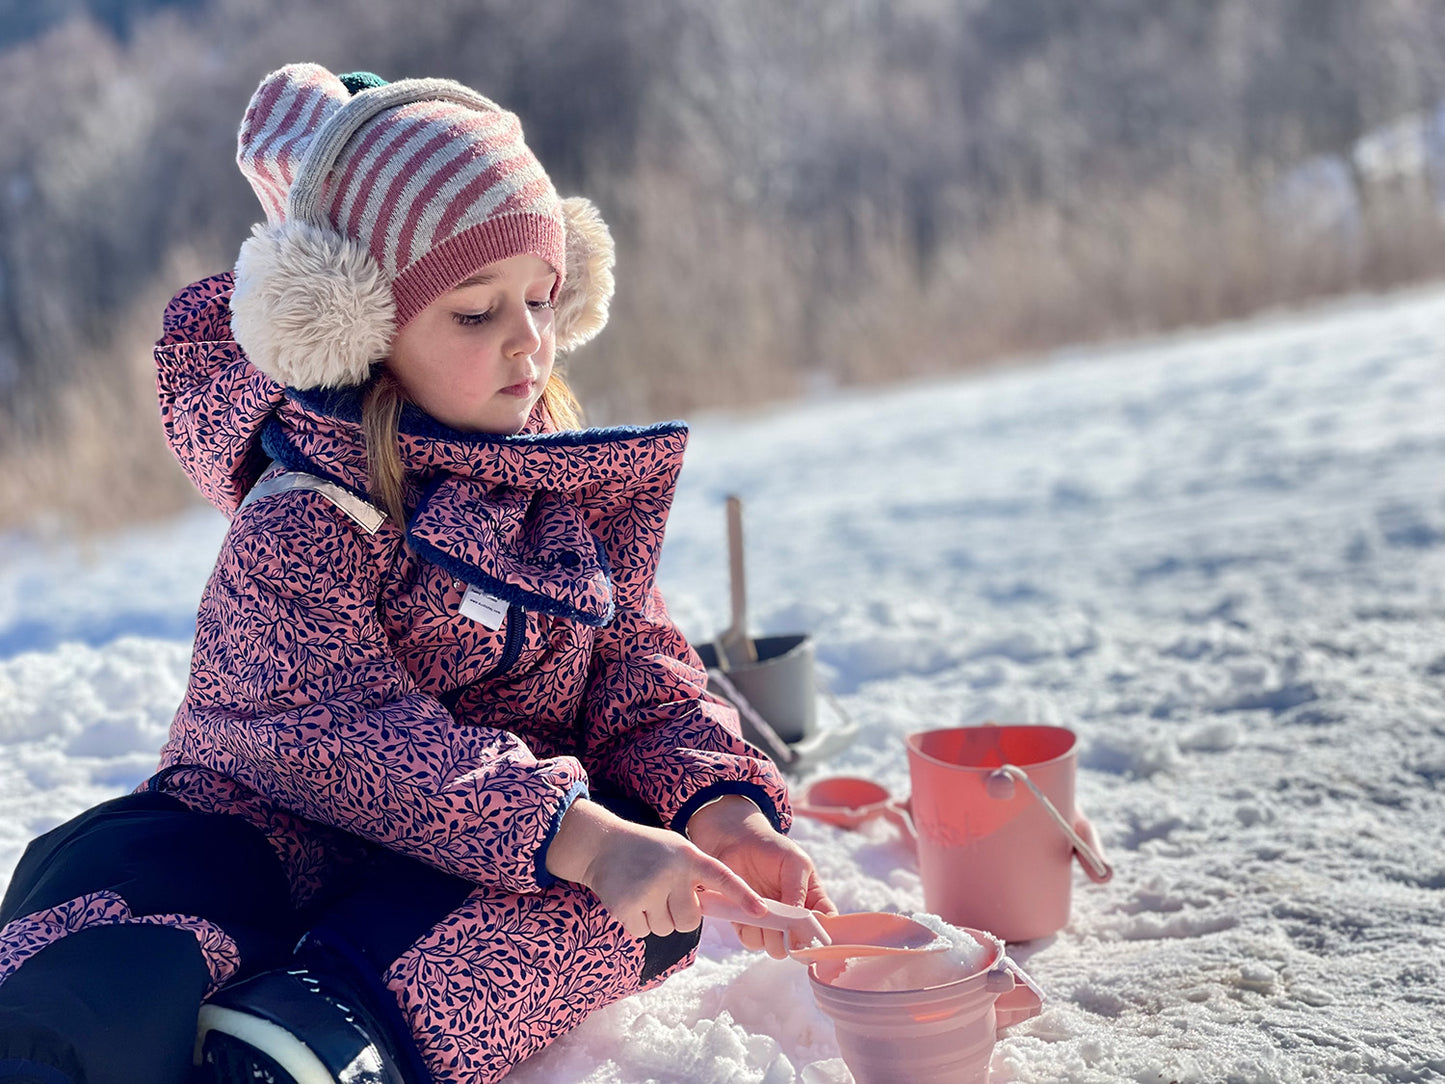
x=296, y=693
x=653, y=731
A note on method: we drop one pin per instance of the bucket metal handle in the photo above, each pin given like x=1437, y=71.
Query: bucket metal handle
x=786, y=756
x=777, y=748
x=1000, y=785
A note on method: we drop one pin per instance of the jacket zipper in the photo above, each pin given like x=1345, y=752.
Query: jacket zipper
x=512, y=648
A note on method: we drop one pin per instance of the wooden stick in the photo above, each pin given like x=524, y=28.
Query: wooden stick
x=738, y=644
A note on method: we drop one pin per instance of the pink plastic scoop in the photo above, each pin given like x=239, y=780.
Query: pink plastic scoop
x=849, y=801
x=815, y=936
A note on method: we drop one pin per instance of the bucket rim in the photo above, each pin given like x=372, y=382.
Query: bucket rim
x=984, y=937
x=915, y=739
x=776, y=651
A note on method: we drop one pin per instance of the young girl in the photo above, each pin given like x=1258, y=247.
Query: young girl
x=439, y=727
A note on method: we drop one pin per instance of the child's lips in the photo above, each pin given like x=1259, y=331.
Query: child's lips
x=520, y=391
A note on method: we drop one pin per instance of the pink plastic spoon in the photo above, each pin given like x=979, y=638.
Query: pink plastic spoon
x=814, y=936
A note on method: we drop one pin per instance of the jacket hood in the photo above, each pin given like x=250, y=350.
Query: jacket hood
x=565, y=522
x=213, y=401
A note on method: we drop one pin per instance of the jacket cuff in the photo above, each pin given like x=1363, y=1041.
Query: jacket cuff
x=759, y=795
x=545, y=879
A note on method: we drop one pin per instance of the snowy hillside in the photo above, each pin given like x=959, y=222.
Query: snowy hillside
x=1220, y=559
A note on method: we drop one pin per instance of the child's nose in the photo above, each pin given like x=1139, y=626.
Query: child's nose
x=524, y=334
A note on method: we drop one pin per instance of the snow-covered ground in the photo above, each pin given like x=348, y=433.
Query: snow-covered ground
x=1220, y=558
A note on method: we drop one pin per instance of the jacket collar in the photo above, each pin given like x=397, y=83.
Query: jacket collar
x=534, y=550
x=568, y=523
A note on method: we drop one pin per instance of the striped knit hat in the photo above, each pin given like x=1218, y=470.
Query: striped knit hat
x=379, y=198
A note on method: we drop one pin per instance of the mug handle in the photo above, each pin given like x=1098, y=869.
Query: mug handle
x=1024, y=1001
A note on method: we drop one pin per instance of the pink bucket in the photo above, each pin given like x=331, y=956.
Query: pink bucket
x=993, y=854
x=937, y=1034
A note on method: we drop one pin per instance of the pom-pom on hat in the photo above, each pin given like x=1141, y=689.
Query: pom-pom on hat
x=379, y=198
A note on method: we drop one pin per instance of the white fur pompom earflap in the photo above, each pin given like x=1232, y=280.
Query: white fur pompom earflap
x=587, y=287
x=311, y=308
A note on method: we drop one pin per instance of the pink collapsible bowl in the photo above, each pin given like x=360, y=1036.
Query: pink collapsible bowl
x=843, y=800
x=992, y=855
x=938, y=1034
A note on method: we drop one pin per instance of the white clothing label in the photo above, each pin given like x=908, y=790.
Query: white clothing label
x=484, y=608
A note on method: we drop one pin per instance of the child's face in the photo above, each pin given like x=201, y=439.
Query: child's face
x=477, y=358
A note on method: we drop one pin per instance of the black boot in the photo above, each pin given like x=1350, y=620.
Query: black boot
x=295, y=1027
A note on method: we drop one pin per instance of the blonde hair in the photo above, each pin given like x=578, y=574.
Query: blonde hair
x=380, y=420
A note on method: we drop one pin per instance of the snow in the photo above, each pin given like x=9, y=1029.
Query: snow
x=955, y=955
x=960, y=947
x=1218, y=557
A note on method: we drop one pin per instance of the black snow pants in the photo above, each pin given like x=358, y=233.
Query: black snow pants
x=117, y=1004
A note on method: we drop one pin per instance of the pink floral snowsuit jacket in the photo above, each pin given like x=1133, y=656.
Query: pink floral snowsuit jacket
x=336, y=686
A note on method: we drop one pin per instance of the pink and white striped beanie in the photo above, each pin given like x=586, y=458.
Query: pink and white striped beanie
x=378, y=202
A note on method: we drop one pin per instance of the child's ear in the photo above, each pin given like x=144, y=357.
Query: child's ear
x=587, y=285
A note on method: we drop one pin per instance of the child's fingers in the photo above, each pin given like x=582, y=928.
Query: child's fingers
x=634, y=923
x=775, y=942
x=684, y=910
x=750, y=936
x=660, y=922
x=795, y=877
x=817, y=898
x=713, y=874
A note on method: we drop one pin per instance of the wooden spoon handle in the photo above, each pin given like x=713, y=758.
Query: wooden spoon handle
x=736, y=638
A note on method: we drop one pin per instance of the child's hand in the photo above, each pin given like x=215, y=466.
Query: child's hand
x=646, y=877
x=734, y=830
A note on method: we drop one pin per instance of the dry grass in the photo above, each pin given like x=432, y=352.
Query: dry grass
x=720, y=312
x=109, y=466
x=104, y=462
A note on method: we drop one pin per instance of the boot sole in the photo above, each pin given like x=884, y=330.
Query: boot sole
x=238, y=1048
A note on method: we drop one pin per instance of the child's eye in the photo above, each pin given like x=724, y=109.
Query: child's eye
x=544, y=303
x=472, y=319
